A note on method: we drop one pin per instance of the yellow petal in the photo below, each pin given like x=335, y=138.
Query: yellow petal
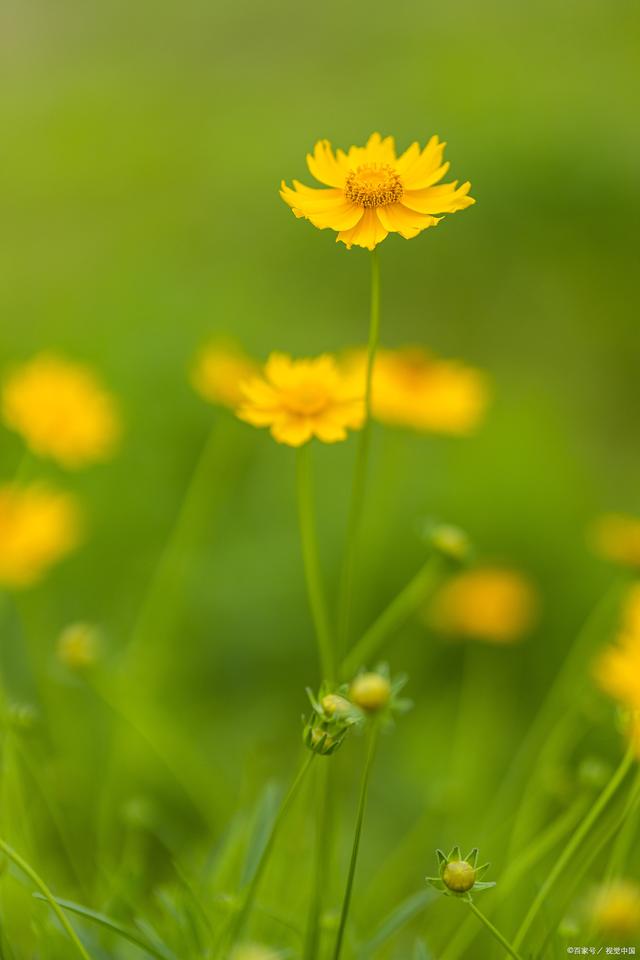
x=343, y=217
x=324, y=166
x=367, y=233
x=279, y=369
x=425, y=165
x=397, y=218
x=291, y=430
x=446, y=198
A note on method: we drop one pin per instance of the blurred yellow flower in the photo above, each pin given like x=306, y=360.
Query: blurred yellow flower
x=218, y=371
x=253, y=951
x=614, y=909
x=301, y=399
x=617, y=669
x=373, y=192
x=412, y=388
x=495, y=604
x=616, y=537
x=61, y=411
x=38, y=527
x=78, y=646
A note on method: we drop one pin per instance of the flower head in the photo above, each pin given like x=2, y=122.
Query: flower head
x=78, y=646
x=494, y=604
x=616, y=537
x=38, y=527
x=300, y=399
x=614, y=908
x=332, y=718
x=219, y=369
x=376, y=694
x=412, y=388
x=617, y=669
x=61, y=411
x=458, y=876
x=370, y=191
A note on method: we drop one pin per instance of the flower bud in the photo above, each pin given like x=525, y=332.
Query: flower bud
x=370, y=692
x=459, y=876
x=78, y=646
x=335, y=706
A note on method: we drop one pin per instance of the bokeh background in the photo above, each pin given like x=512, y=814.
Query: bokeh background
x=142, y=148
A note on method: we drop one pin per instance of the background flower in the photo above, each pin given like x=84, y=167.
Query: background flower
x=61, y=410
x=300, y=399
x=38, y=527
x=218, y=371
x=616, y=537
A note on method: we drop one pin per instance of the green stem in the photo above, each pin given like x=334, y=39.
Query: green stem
x=362, y=460
x=403, y=606
x=22, y=865
x=309, y=541
x=346, y=902
x=249, y=896
x=574, y=843
x=512, y=951
x=624, y=840
x=322, y=854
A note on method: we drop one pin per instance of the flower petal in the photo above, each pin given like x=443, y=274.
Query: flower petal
x=425, y=166
x=367, y=233
x=446, y=198
x=399, y=219
x=292, y=430
x=325, y=167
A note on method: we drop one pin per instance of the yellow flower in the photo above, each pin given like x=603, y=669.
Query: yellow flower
x=218, y=371
x=61, y=411
x=494, y=604
x=370, y=691
x=253, y=951
x=614, y=909
x=372, y=192
x=38, y=527
x=414, y=389
x=616, y=537
x=300, y=399
x=78, y=646
x=617, y=669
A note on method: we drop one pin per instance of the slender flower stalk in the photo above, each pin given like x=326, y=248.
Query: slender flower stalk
x=324, y=821
x=346, y=903
x=406, y=603
x=313, y=577
x=22, y=865
x=494, y=931
x=362, y=461
x=249, y=895
x=576, y=839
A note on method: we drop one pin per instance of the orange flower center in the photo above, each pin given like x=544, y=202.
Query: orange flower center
x=374, y=185
x=307, y=398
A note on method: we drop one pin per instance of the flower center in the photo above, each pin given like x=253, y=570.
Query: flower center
x=374, y=185
x=308, y=398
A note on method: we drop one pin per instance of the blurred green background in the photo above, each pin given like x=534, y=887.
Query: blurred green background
x=142, y=148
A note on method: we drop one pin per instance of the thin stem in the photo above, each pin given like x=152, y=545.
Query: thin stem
x=253, y=885
x=346, y=903
x=512, y=951
x=362, y=460
x=624, y=840
x=22, y=865
x=410, y=599
x=574, y=843
x=322, y=854
x=309, y=541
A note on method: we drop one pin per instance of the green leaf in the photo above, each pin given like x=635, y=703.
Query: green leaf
x=103, y=921
x=265, y=815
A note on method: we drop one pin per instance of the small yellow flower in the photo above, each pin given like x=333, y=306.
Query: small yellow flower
x=78, y=646
x=494, y=604
x=616, y=537
x=61, y=411
x=617, y=669
x=412, y=388
x=38, y=527
x=370, y=692
x=253, y=951
x=218, y=371
x=301, y=399
x=373, y=192
x=614, y=909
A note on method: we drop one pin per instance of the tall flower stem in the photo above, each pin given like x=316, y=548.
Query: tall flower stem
x=22, y=865
x=362, y=461
x=249, y=896
x=346, y=902
x=322, y=859
x=494, y=931
x=574, y=843
x=309, y=541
